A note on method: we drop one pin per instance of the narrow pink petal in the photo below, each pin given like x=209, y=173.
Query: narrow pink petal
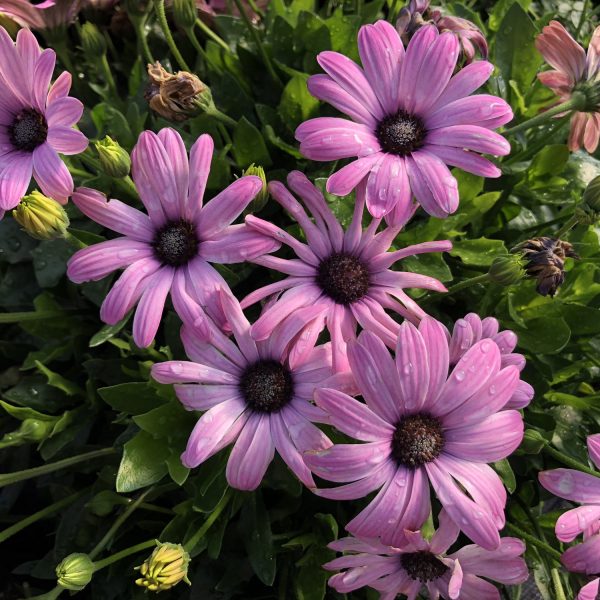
x=439, y=180
x=561, y=51
x=51, y=173
x=445, y=535
x=412, y=366
x=14, y=180
x=66, y=140
x=205, y=284
x=64, y=111
x=590, y=590
x=593, y=446
x=237, y=244
x=200, y=159
x=576, y=521
x=239, y=324
x=178, y=371
x=482, y=109
x=203, y=351
x=127, y=290
x=583, y=558
x=470, y=137
x=205, y=397
x=60, y=88
x=150, y=307
x=571, y=485
x=465, y=160
x=251, y=455
x=114, y=214
x=224, y=208
x=434, y=337
x=42, y=76
x=179, y=167
x=388, y=186
x=99, y=260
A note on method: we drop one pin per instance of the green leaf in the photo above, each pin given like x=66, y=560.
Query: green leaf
x=479, y=252
x=544, y=335
x=108, y=331
x=143, y=463
x=166, y=421
x=249, y=146
x=131, y=398
x=257, y=536
x=58, y=381
x=515, y=53
x=177, y=471
x=297, y=104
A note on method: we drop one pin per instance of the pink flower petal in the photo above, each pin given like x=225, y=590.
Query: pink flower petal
x=66, y=140
x=51, y=173
x=14, y=180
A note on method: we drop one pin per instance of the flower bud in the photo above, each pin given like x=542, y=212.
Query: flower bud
x=185, y=13
x=75, y=571
x=165, y=568
x=507, y=270
x=176, y=97
x=114, y=160
x=261, y=198
x=41, y=217
x=92, y=41
x=589, y=209
x=544, y=261
x=31, y=430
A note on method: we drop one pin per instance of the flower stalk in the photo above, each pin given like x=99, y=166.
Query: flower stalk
x=159, y=6
x=530, y=539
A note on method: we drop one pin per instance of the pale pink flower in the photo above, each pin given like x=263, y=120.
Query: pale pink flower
x=572, y=70
x=257, y=395
x=169, y=249
x=421, y=565
x=411, y=117
x=36, y=121
x=348, y=271
x=422, y=424
x=584, y=489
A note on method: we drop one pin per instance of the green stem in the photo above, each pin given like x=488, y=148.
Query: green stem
x=581, y=18
x=10, y=478
x=138, y=25
x=117, y=524
x=214, y=515
x=221, y=116
x=112, y=86
x=39, y=315
x=76, y=243
x=159, y=6
x=38, y=516
x=109, y=560
x=212, y=35
x=576, y=102
x=189, y=31
x=254, y=33
x=549, y=550
x=570, y=462
x=467, y=283
x=567, y=226
x=560, y=593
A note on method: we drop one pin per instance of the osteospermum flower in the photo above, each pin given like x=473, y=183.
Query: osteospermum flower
x=422, y=563
x=55, y=13
x=169, y=249
x=348, y=271
x=257, y=395
x=36, y=122
x=422, y=425
x=572, y=71
x=410, y=118
x=584, y=489
x=470, y=330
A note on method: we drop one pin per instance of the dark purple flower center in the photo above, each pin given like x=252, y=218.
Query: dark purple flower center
x=267, y=386
x=401, y=133
x=423, y=566
x=176, y=243
x=344, y=278
x=418, y=439
x=28, y=130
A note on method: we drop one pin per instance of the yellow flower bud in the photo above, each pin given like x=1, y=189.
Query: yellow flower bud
x=41, y=217
x=114, y=159
x=75, y=571
x=165, y=568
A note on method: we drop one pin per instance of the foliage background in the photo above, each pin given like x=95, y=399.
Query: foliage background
x=61, y=366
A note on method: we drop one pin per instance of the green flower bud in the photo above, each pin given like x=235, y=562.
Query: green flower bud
x=507, y=270
x=92, y=41
x=589, y=209
x=263, y=196
x=75, y=571
x=41, y=217
x=114, y=160
x=31, y=430
x=185, y=13
x=165, y=568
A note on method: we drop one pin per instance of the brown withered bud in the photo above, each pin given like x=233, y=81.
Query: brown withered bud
x=176, y=96
x=545, y=261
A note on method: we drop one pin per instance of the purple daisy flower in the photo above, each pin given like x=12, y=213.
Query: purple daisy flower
x=257, y=395
x=348, y=271
x=410, y=118
x=422, y=425
x=36, y=123
x=585, y=489
x=167, y=250
x=472, y=329
x=421, y=563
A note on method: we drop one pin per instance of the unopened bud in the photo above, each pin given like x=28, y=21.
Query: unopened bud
x=185, y=13
x=176, y=97
x=92, y=41
x=507, y=270
x=165, y=568
x=75, y=571
x=41, y=217
x=589, y=209
x=263, y=196
x=114, y=160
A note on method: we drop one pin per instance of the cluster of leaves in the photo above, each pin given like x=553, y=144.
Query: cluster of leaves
x=70, y=385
